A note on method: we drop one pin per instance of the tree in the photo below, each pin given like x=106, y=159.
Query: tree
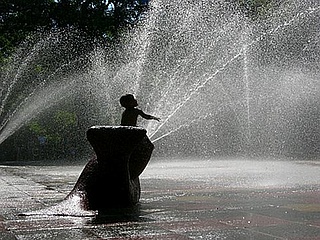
x=255, y=9
x=97, y=18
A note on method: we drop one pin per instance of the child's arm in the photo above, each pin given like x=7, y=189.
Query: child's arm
x=149, y=117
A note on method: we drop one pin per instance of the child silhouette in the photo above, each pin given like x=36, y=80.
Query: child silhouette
x=131, y=113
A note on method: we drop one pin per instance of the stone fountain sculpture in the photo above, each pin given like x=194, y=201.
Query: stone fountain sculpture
x=112, y=178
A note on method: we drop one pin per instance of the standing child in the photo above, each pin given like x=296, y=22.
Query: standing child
x=131, y=113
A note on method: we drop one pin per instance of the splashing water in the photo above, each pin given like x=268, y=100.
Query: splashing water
x=71, y=206
x=206, y=70
x=34, y=82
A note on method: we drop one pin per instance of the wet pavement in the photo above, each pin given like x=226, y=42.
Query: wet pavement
x=230, y=199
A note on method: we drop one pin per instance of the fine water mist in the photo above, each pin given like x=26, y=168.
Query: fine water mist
x=40, y=74
x=222, y=83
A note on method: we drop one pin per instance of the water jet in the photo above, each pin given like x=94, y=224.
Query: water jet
x=208, y=71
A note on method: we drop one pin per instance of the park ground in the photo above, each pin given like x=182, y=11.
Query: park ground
x=181, y=199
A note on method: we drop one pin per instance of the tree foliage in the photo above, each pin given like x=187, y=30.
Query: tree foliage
x=54, y=127
x=96, y=18
x=255, y=9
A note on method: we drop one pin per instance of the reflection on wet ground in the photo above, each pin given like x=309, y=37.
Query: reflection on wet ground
x=230, y=199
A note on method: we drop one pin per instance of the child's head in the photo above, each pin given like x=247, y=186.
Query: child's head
x=128, y=100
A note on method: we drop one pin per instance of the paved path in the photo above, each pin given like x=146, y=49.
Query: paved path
x=193, y=200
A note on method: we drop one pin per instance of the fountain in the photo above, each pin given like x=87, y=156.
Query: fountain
x=206, y=70
x=222, y=83
x=215, y=75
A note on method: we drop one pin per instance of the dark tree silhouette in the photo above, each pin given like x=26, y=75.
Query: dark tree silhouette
x=96, y=18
